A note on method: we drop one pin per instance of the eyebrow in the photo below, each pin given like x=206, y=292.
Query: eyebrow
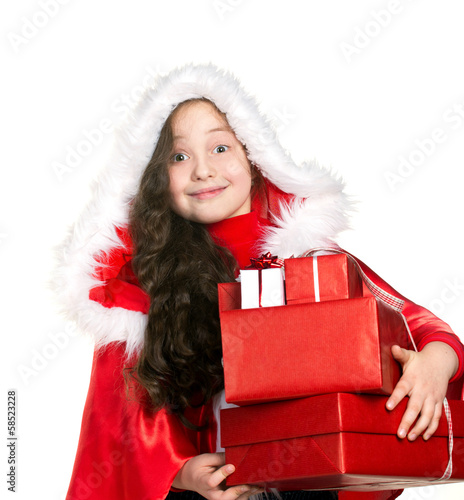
x=218, y=129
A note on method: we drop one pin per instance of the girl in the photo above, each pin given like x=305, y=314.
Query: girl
x=198, y=185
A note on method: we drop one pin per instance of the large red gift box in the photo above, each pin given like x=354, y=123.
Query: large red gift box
x=323, y=277
x=336, y=441
x=298, y=350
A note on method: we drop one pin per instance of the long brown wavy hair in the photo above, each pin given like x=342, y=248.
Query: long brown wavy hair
x=178, y=264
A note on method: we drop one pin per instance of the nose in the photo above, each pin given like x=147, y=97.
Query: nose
x=203, y=169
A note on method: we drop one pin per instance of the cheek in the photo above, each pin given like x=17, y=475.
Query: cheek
x=246, y=186
x=237, y=166
x=175, y=191
x=242, y=181
x=175, y=181
x=241, y=173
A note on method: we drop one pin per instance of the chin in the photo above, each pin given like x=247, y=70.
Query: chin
x=210, y=217
x=211, y=220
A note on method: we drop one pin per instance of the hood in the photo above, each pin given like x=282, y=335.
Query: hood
x=314, y=217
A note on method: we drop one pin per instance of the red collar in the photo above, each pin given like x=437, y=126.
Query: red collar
x=240, y=235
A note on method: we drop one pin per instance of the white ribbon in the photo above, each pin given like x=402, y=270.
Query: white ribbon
x=449, y=467
x=317, y=296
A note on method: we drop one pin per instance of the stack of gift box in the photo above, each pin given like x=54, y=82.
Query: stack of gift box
x=308, y=362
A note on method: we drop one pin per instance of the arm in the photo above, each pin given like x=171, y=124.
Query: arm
x=427, y=373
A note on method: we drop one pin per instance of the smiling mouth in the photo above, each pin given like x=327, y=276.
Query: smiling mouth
x=207, y=193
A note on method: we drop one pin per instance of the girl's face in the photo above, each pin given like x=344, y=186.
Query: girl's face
x=210, y=178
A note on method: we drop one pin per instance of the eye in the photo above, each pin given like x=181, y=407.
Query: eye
x=179, y=157
x=220, y=149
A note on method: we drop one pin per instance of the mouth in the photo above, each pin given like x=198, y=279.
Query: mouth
x=207, y=193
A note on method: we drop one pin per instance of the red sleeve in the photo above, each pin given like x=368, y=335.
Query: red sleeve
x=125, y=451
x=425, y=326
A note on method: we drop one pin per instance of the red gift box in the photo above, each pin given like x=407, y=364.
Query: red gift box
x=299, y=350
x=336, y=441
x=325, y=277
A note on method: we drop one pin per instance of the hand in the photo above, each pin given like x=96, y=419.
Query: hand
x=206, y=473
x=425, y=380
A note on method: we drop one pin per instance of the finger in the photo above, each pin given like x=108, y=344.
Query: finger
x=235, y=492
x=401, y=355
x=218, y=476
x=250, y=493
x=402, y=389
x=426, y=415
x=435, y=421
x=410, y=415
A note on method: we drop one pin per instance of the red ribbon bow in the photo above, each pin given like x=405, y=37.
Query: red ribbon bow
x=266, y=261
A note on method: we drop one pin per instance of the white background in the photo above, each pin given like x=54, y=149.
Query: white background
x=355, y=101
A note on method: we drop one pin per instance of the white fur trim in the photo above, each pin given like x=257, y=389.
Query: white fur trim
x=312, y=222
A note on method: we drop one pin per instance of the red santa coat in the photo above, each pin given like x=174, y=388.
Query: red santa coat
x=125, y=450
